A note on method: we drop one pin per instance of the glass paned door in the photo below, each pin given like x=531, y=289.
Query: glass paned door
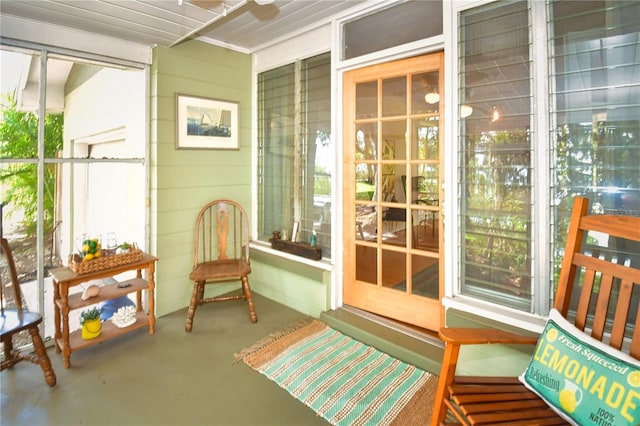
x=392, y=152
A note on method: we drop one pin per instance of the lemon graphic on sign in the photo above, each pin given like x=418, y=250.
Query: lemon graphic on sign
x=570, y=397
x=634, y=379
x=552, y=334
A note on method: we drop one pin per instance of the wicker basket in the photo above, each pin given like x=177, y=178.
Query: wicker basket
x=104, y=262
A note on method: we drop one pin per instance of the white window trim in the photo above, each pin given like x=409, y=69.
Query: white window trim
x=502, y=314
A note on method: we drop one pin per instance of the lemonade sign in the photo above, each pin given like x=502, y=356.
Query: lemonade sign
x=585, y=381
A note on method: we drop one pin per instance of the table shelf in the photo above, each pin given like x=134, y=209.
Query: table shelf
x=64, y=278
x=109, y=331
x=107, y=292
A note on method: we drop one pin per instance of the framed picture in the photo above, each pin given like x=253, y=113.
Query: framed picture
x=203, y=123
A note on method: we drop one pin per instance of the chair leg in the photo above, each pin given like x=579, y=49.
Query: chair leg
x=246, y=289
x=447, y=375
x=9, y=354
x=196, y=297
x=42, y=357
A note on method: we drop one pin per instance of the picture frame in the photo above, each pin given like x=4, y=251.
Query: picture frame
x=205, y=123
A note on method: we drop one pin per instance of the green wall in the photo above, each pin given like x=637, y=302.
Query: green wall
x=182, y=181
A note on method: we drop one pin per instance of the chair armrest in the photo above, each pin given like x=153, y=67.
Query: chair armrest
x=477, y=336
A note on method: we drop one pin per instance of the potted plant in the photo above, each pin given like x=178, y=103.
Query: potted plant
x=91, y=324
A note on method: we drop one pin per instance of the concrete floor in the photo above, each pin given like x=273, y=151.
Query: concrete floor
x=170, y=378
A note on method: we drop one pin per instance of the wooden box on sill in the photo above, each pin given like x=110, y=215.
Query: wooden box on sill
x=299, y=249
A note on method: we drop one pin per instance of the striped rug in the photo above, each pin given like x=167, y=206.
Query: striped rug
x=344, y=381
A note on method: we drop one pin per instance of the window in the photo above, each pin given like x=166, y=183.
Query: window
x=516, y=185
x=395, y=25
x=65, y=181
x=495, y=155
x=595, y=107
x=295, y=150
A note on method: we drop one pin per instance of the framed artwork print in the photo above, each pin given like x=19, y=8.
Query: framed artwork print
x=204, y=123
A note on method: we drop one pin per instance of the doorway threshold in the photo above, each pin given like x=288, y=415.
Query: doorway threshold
x=406, y=343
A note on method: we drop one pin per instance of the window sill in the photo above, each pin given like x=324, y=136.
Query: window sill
x=323, y=264
x=494, y=313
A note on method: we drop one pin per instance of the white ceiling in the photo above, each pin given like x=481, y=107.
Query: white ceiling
x=241, y=24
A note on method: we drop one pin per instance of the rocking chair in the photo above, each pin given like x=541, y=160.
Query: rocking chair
x=596, y=292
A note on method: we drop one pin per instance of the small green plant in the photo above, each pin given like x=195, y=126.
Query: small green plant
x=90, y=314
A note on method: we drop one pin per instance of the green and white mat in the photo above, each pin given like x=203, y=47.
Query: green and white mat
x=343, y=380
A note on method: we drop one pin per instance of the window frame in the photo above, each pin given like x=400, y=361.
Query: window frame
x=543, y=235
x=300, y=96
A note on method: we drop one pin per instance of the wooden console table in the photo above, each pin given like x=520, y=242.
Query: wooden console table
x=65, y=278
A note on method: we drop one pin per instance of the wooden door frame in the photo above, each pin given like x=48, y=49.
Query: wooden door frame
x=387, y=302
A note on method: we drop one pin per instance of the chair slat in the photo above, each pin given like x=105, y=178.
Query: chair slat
x=602, y=306
x=621, y=314
x=582, y=312
x=634, y=350
x=502, y=406
x=510, y=416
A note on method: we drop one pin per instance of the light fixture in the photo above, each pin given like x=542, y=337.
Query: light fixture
x=465, y=110
x=263, y=2
x=179, y=2
x=432, y=97
x=495, y=115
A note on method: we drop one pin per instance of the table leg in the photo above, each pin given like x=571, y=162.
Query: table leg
x=152, y=285
x=66, y=349
x=56, y=315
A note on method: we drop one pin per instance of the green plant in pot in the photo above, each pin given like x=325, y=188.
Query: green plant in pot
x=91, y=324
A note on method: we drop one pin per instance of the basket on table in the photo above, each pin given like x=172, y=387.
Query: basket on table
x=103, y=262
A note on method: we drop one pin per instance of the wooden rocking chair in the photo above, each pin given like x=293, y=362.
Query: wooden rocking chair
x=221, y=254
x=604, y=297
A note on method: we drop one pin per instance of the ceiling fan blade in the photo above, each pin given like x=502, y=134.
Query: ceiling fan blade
x=210, y=22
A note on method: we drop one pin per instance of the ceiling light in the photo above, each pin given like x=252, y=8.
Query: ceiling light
x=465, y=111
x=432, y=98
x=495, y=115
x=263, y=2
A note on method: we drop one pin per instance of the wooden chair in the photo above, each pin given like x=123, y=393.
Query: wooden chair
x=504, y=400
x=15, y=320
x=221, y=254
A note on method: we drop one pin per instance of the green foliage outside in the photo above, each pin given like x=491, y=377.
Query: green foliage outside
x=19, y=140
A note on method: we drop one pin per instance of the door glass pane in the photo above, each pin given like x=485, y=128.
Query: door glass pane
x=392, y=187
x=366, y=141
x=367, y=100
x=425, y=279
x=394, y=146
x=425, y=139
x=425, y=93
x=366, y=222
x=394, y=96
x=426, y=185
x=366, y=264
x=394, y=226
x=394, y=273
x=365, y=181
